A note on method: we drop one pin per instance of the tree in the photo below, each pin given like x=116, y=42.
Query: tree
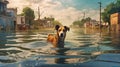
x=117, y=6
x=55, y=22
x=105, y=17
x=81, y=22
x=110, y=9
x=77, y=23
x=29, y=15
x=88, y=19
x=52, y=20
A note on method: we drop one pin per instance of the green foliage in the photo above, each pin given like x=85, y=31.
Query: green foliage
x=88, y=19
x=110, y=9
x=55, y=22
x=81, y=22
x=40, y=23
x=49, y=18
x=29, y=15
x=105, y=17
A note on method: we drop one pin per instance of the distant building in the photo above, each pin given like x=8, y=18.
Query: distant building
x=46, y=22
x=21, y=25
x=91, y=24
x=20, y=20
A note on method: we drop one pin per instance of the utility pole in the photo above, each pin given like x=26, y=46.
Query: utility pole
x=39, y=13
x=100, y=14
x=100, y=18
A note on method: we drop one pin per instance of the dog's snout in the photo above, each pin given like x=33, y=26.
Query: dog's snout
x=61, y=35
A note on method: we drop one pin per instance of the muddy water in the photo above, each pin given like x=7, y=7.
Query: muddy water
x=30, y=49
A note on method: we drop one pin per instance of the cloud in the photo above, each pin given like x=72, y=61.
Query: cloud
x=94, y=14
x=19, y=4
x=66, y=15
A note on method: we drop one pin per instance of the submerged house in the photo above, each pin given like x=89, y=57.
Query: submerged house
x=115, y=22
x=12, y=13
x=7, y=21
x=21, y=25
x=91, y=24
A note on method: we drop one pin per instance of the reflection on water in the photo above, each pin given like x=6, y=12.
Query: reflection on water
x=26, y=49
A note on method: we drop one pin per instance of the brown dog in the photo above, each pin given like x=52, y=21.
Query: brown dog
x=58, y=39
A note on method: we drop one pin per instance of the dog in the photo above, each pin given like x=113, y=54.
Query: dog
x=58, y=39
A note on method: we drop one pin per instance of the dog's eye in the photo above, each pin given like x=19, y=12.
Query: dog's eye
x=59, y=30
x=63, y=30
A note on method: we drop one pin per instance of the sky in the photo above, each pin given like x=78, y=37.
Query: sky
x=65, y=11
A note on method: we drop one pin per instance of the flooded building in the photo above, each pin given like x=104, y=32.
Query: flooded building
x=3, y=6
x=21, y=25
x=7, y=21
x=115, y=21
x=91, y=24
x=46, y=22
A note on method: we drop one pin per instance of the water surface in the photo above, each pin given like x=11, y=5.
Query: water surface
x=30, y=48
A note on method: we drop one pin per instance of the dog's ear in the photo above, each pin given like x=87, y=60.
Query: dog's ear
x=57, y=27
x=67, y=28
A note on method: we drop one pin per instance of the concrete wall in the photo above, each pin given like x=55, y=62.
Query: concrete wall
x=6, y=23
x=115, y=21
x=6, y=18
x=20, y=20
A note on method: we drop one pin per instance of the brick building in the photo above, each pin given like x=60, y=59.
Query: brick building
x=115, y=21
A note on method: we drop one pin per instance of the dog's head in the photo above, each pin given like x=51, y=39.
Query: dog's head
x=61, y=31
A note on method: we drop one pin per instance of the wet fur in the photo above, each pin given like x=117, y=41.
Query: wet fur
x=58, y=39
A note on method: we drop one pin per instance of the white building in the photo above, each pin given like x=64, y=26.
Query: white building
x=20, y=20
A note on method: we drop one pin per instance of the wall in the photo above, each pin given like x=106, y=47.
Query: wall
x=115, y=21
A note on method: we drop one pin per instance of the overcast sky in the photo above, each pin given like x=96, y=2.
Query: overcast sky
x=65, y=11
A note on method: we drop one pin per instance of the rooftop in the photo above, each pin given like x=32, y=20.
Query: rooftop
x=4, y=1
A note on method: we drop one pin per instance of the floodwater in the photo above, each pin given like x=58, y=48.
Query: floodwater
x=30, y=48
